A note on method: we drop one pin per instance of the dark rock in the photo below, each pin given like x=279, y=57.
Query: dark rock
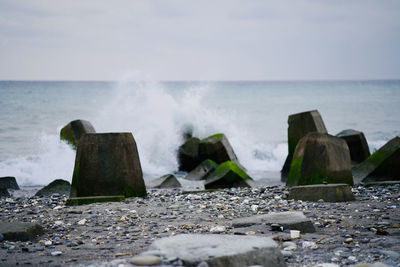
x=166, y=181
x=227, y=175
x=326, y=192
x=58, y=186
x=17, y=231
x=202, y=171
x=74, y=201
x=4, y=192
x=73, y=131
x=300, y=124
x=382, y=165
x=218, y=149
x=221, y=250
x=357, y=143
x=107, y=165
x=188, y=154
x=293, y=220
x=320, y=158
x=8, y=182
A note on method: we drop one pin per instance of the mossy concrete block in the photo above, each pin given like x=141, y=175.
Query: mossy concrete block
x=107, y=164
x=218, y=149
x=220, y=250
x=293, y=220
x=4, y=192
x=382, y=165
x=74, y=130
x=165, y=181
x=188, y=154
x=8, y=182
x=357, y=143
x=301, y=124
x=202, y=171
x=326, y=192
x=18, y=231
x=320, y=158
x=59, y=186
x=75, y=201
x=227, y=175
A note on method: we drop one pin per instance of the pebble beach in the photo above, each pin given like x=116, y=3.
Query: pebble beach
x=366, y=230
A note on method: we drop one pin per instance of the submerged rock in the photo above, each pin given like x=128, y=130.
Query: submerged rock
x=300, y=124
x=320, y=158
x=326, y=192
x=382, y=165
x=8, y=182
x=220, y=250
x=227, y=175
x=107, y=164
x=59, y=186
x=188, y=154
x=357, y=143
x=166, y=181
x=202, y=171
x=73, y=131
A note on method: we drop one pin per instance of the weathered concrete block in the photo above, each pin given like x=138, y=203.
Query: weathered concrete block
x=8, y=182
x=75, y=201
x=166, y=181
x=221, y=250
x=293, y=220
x=301, y=124
x=202, y=171
x=17, y=231
x=59, y=186
x=382, y=165
x=326, y=192
x=188, y=154
x=320, y=158
x=73, y=131
x=107, y=164
x=357, y=143
x=218, y=149
x=227, y=175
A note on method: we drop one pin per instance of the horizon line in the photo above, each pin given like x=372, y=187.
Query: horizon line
x=205, y=81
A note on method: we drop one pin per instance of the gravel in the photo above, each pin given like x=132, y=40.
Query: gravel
x=110, y=234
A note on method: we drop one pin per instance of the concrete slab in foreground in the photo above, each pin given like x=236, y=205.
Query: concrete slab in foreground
x=293, y=220
x=221, y=250
x=18, y=231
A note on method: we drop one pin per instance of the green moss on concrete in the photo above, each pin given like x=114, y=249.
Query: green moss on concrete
x=294, y=172
x=67, y=135
x=318, y=176
x=230, y=166
x=377, y=157
x=213, y=138
x=89, y=200
x=210, y=162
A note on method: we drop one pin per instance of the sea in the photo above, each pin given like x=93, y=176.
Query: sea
x=252, y=114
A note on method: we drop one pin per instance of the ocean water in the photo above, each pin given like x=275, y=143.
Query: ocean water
x=253, y=115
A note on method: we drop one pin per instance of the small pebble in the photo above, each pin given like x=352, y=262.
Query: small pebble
x=147, y=260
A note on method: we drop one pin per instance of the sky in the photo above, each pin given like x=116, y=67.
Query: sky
x=199, y=40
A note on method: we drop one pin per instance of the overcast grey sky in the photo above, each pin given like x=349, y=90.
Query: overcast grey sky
x=199, y=40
